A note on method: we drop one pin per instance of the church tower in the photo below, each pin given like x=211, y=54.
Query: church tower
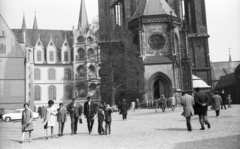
x=85, y=63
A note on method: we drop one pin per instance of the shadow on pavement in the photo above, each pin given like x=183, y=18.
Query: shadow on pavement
x=229, y=142
x=171, y=129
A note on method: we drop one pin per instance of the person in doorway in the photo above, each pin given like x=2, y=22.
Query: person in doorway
x=223, y=99
x=89, y=113
x=61, y=119
x=217, y=101
x=50, y=118
x=187, y=101
x=201, y=107
x=27, y=125
x=75, y=110
x=229, y=100
x=124, y=109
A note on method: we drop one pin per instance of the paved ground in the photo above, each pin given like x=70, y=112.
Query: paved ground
x=143, y=129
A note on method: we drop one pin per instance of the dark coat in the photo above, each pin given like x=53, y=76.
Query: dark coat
x=223, y=98
x=89, y=110
x=62, y=115
x=124, y=108
x=100, y=115
x=74, y=111
x=108, y=113
x=201, y=98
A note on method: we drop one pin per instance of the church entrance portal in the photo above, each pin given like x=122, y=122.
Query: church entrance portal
x=159, y=88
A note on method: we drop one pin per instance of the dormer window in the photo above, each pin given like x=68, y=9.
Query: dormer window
x=65, y=44
x=2, y=49
x=39, y=56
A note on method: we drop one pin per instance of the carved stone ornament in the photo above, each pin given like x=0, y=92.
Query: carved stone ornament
x=157, y=41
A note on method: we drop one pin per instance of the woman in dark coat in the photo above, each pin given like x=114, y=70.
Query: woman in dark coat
x=27, y=125
x=124, y=109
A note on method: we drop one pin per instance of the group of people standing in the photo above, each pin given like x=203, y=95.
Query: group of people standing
x=52, y=114
x=198, y=105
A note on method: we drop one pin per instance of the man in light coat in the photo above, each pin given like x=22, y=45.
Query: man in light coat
x=187, y=101
x=217, y=101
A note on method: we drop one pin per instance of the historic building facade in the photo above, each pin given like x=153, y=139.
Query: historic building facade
x=172, y=39
x=59, y=64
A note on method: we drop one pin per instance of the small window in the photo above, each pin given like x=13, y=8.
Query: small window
x=39, y=44
x=2, y=49
x=51, y=54
x=52, y=92
x=51, y=44
x=39, y=56
x=51, y=74
x=65, y=44
x=37, y=93
x=66, y=56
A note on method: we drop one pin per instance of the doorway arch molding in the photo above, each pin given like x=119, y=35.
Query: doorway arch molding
x=164, y=78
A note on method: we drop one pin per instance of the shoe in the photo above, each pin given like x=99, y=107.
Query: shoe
x=71, y=133
x=202, y=129
x=209, y=126
x=189, y=129
x=75, y=133
x=59, y=135
x=20, y=142
x=46, y=137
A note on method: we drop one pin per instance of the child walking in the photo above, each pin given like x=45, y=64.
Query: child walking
x=108, y=119
x=101, y=118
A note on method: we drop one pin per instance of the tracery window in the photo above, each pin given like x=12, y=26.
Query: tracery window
x=37, y=74
x=52, y=92
x=51, y=74
x=81, y=54
x=37, y=90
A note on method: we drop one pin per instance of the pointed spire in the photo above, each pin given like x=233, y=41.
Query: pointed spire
x=83, y=20
x=230, y=58
x=35, y=26
x=24, y=28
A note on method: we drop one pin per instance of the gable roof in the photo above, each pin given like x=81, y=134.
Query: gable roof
x=153, y=7
x=226, y=81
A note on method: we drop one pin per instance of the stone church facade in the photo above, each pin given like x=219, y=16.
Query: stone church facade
x=172, y=39
x=60, y=64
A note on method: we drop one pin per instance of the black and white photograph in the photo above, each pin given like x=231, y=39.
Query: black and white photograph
x=119, y=74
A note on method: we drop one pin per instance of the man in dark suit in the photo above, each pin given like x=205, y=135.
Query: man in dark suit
x=89, y=113
x=201, y=107
x=223, y=99
x=75, y=110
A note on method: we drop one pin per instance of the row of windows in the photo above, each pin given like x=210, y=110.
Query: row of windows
x=2, y=49
x=81, y=54
x=52, y=74
x=51, y=44
x=51, y=56
x=52, y=92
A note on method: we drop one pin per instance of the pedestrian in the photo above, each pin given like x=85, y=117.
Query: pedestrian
x=147, y=104
x=61, y=118
x=108, y=119
x=89, y=113
x=223, y=99
x=75, y=110
x=137, y=104
x=187, y=101
x=201, y=107
x=172, y=102
x=101, y=117
x=50, y=118
x=156, y=103
x=217, y=101
x=124, y=109
x=133, y=106
x=163, y=102
x=229, y=101
x=27, y=125
x=40, y=111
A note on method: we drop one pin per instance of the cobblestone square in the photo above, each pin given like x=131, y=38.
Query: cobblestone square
x=143, y=129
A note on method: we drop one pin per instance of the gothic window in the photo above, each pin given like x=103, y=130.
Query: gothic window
x=2, y=49
x=51, y=55
x=89, y=40
x=37, y=74
x=81, y=54
x=82, y=90
x=52, y=92
x=80, y=39
x=37, y=93
x=90, y=53
x=65, y=44
x=81, y=71
x=117, y=11
x=51, y=74
x=67, y=73
x=92, y=87
x=39, y=56
x=92, y=72
x=68, y=92
x=66, y=56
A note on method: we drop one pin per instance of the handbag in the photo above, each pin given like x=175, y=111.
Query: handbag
x=45, y=126
x=80, y=121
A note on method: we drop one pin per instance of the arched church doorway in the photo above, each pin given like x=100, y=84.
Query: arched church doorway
x=159, y=83
x=159, y=88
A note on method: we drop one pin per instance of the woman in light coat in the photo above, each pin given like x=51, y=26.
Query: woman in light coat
x=50, y=118
x=187, y=101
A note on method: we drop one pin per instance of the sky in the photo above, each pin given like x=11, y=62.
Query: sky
x=223, y=20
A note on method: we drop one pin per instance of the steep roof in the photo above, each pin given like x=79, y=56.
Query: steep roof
x=153, y=7
x=58, y=36
x=226, y=81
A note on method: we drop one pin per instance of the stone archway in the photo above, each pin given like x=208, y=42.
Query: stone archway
x=158, y=84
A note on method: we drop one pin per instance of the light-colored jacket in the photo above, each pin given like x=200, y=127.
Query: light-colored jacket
x=217, y=101
x=187, y=101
